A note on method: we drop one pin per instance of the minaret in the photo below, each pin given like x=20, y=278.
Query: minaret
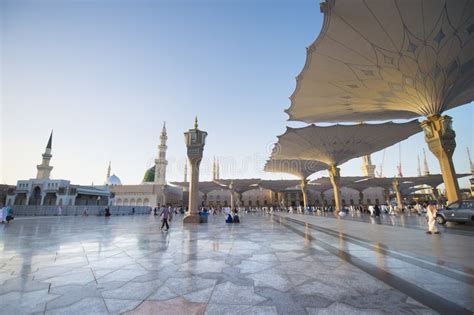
x=426, y=171
x=368, y=169
x=214, y=170
x=109, y=169
x=470, y=160
x=44, y=170
x=218, y=172
x=399, y=166
x=419, y=166
x=160, y=162
x=185, y=172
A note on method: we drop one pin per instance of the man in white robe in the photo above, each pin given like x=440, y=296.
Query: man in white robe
x=431, y=215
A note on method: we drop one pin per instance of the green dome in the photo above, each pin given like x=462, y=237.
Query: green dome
x=149, y=176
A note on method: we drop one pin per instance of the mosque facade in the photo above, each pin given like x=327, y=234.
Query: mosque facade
x=260, y=197
x=154, y=190
x=44, y=191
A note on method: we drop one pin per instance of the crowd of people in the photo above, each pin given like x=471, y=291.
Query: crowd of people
x=231, y=215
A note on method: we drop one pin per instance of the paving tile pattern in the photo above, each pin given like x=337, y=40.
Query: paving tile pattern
x=94, y=265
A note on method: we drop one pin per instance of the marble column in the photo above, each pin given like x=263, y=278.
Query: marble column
x=204, y=200
x=387, y=196
x=441, y=140
x=283, y=200
x=194, y=202
x=361, y=198
x=232, y=197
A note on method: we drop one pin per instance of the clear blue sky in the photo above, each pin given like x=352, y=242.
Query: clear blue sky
x=106, y=74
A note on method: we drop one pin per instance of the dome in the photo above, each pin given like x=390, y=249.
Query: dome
x=149, y=176
x=113, y=181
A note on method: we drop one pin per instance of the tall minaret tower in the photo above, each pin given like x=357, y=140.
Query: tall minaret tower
x=418, y=169
x=426, y=171
x=214, y=170
x=109, y=169
x=218, y=170
x=160, y=162
x=368, y=169
x=44, y=169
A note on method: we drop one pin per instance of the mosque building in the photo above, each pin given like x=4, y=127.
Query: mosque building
x=44, y=191
x=154, y=190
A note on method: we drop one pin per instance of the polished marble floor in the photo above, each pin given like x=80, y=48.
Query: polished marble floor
x=265, y=265
x=406, y=220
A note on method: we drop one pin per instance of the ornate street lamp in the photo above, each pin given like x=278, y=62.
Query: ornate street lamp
x=195, y=140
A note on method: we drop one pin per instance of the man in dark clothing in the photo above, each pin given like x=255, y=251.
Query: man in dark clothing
x=164, y=218
x=377, y=210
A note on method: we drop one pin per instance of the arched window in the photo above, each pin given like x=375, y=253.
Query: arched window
x=36, y=198
x=119, y=202
x=146, y=202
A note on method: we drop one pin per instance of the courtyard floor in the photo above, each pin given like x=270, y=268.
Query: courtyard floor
x=280, y=264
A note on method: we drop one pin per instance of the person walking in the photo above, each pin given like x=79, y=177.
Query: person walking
x=431, y=215
x=164, y=218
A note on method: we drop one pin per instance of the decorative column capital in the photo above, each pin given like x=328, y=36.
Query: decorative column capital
x=439, y=134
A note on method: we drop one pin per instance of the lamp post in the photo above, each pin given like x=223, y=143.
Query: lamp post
x=195, y=140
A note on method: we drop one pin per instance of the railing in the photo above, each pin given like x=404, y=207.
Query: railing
x=30, y=211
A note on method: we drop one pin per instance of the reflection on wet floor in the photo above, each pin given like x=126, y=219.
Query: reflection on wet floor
x=266, y=264
x=405, y=271
x=407, y=220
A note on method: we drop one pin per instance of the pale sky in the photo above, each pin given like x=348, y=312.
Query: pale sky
x=105, y=75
